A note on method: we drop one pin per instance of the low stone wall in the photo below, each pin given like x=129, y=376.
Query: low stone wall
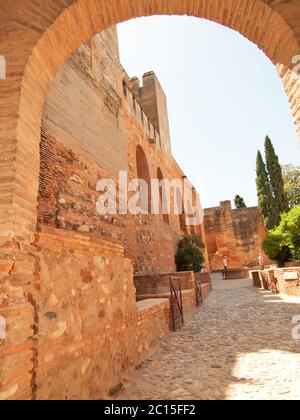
x=287, y=280
x=153, y=319
x=160, y=283
x=206, y=289
x=188, y=302
x=158, y=287
x=203, y=278
x=292, y=264
x=236, y=274
x=88, y=331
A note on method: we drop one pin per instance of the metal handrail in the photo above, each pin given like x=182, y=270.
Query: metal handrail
x=176, y=292
x=199, y=295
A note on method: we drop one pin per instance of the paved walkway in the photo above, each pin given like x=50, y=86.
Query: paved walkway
x=239, y=345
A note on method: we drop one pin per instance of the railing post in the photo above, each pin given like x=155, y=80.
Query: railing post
x=176, y=292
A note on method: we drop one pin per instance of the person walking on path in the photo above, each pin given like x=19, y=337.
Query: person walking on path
x=225, y=265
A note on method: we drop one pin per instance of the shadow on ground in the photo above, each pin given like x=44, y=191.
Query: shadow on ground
x=238, y=345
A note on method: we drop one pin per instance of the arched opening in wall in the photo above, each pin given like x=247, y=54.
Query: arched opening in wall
x=164, y=205
x=279, y=40
x=143, y=173
x=268, y=24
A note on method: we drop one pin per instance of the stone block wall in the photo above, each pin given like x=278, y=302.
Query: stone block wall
x=288, y=286
x=235, y=233
x=287, y=279
x=73, y=327
x=188, y=302
x=85, y=317
x=158, y=286
x=91, y=128
x=206, y=289
x=153, y=325
x=160, y=283
x=89, y=331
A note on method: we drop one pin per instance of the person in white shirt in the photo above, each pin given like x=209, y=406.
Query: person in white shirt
x=261, y=262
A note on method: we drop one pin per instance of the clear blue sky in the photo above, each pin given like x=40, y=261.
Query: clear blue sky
x=224, y=96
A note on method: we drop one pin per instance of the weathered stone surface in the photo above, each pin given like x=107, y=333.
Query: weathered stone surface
x=288, y=285
x=238, y=346
x=75, y=123
x=37, y=38
x=235, y=233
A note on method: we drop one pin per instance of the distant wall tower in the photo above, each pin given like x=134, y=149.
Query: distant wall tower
x=154, y=102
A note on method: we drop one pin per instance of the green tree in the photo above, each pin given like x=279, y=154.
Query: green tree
x=282, y=244
x=276, y=181
x=264, y=194
x=291, y=178
x=239, y=202
x=190, y=254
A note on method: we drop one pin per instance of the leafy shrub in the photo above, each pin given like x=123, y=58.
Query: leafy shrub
x=190, y=254
x=282, y=244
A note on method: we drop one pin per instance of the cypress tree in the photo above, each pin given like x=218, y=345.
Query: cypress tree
x=276, y=180
x=239, y=202
x=264, y=193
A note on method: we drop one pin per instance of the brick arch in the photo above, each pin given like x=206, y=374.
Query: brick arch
x=40, y=35
x=37, y=37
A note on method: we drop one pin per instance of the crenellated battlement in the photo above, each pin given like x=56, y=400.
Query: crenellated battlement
x=139, y=113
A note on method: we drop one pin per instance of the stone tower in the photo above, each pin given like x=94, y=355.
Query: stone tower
x=154, y=102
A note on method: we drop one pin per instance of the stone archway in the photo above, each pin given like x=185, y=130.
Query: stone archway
x=37, y=37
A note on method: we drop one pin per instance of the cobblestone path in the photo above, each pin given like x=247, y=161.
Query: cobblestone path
x=238, y=345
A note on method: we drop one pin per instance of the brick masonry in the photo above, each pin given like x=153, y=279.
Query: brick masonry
x=81, y=329
x=38, y=38
x=91, y=129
